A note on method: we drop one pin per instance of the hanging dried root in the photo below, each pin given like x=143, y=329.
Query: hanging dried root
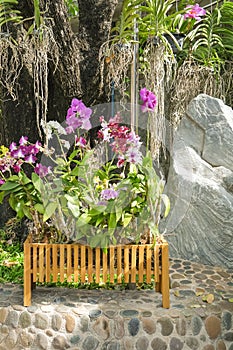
x=10, y=65
x=156, y=69
x=115, y=60
x=192, y=79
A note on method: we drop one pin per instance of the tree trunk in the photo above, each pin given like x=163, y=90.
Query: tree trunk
x=70, y=66
x=95, y=19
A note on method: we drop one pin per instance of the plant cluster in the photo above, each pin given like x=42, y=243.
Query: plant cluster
x=11, y=260
x=100, y=195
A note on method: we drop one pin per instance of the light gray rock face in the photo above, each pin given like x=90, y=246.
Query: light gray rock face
x=200, y=185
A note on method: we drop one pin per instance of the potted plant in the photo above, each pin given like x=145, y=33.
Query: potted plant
x=81, y=205
x=116, y=54
x=205, y=62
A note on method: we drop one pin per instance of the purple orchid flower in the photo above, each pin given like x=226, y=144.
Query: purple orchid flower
x=108, y=194
x=149, y=100
x=194, y=11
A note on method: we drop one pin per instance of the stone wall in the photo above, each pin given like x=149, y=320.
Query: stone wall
x=63, y=327
x=200, y=185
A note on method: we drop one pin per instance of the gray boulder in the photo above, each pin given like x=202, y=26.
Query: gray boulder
x=200, y=185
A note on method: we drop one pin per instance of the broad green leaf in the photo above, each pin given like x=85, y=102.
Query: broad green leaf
x=2, y=195
x=49, y=210
x=166, y=202
x=27, y=212
x=118, y=214
x=99, y=220
x=112, y=221
x=126, y=220
x=84, y=219
x=37, y=182
x=39, y=207
x=8, y=185
x=95, y=241
x=19, y=209
x=74, y=209
x=24, y=179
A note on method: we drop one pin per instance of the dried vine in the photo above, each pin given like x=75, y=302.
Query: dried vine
x=11, y=64
x=42, y=48
x=156, y=69
x=115, y=60
x=192, y=79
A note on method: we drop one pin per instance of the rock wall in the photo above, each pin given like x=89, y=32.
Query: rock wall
x=200, y=185
x=51, y=326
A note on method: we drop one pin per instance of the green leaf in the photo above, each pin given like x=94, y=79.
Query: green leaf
x=74, y=208
x=49, y=210
x=27, y=212
x=95, y=241
x=2, y=195
x=118, y=214
x=40, y=208
x=24, y=179
x=19, y=209
x=83, y=220
x=112, y=221
x=99, y=220
x=166, y=202
x=37, y=182
x=8, y=185
x=126, y=220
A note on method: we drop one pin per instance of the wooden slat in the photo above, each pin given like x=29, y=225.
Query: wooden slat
x=165, y=276
x=126, y=264
x=133, y=263
x=97, y=265
x=76, y=267
x=55, y=270
x=41, y=263
x=69, y=262
x=83, y=263
x=62, y=262
x=34, y=263
x=140, y=264
x=105, y=267
x=148, y=264
x=119, y=265
x=27, y=274
x=111, y=267
x=47, y=264
x=90, y=265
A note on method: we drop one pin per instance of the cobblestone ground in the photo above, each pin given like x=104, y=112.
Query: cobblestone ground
x=200, y=316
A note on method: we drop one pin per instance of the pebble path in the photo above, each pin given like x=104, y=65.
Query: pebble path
x=200, y=316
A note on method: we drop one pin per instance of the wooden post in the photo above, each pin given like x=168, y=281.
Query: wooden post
x=165, y=277
x=27, y=274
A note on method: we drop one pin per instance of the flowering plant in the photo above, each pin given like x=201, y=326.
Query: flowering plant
x=76, y=193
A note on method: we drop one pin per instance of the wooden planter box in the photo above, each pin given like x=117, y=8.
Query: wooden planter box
x=78, y=263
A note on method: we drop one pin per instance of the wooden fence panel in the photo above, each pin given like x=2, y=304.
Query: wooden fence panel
x=80, y=263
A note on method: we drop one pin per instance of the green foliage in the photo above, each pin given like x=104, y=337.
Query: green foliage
x=124, y=29
x=211, y=40
x=11, y=261
x=23, y=195
x=160, y=18
x=8, y=12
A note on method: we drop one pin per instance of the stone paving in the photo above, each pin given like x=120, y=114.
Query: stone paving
x=200, y=316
